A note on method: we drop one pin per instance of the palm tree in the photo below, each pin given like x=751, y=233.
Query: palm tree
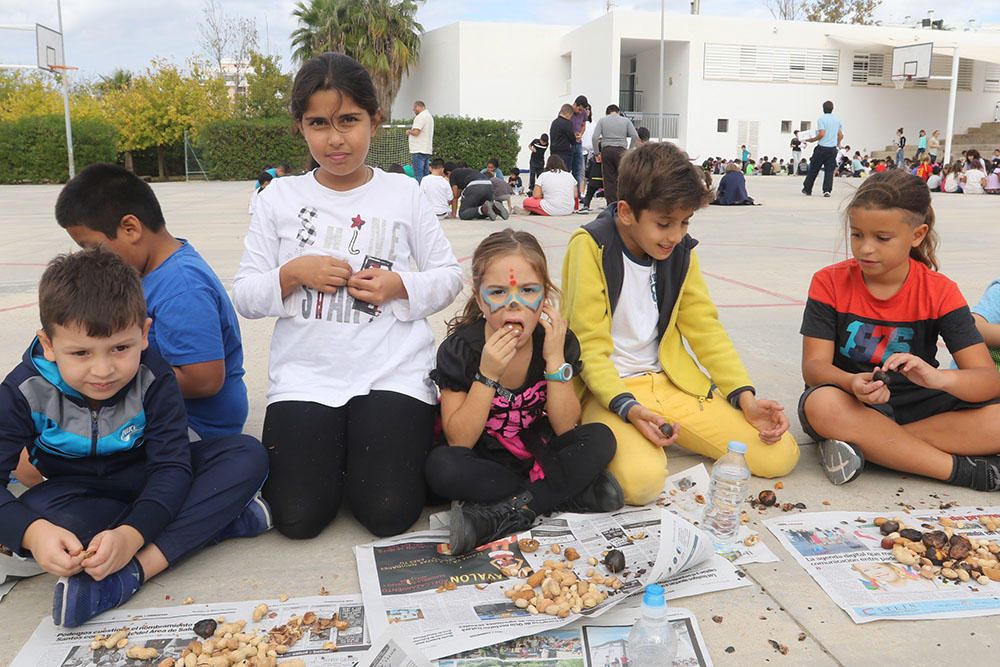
x=119, y=79
x=383, y=35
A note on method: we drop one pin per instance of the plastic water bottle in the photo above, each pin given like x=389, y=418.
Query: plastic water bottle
x=730, y=477
x=652, y=642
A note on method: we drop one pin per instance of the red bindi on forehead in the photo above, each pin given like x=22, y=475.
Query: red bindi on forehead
x=513, y=280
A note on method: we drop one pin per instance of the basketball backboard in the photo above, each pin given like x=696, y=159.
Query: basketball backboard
x=912, y=61
x=50, y=48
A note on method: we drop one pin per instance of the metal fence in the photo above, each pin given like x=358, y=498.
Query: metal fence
x=661, y=126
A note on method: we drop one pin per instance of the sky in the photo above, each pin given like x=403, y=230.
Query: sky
x=103, y=35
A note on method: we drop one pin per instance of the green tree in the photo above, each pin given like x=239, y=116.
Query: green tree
x=158, y=107
x=382, y=35
x=841, y=11
x=268, y=88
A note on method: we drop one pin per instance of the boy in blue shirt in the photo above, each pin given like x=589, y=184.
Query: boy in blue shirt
x=194, y=323
x=125, y=493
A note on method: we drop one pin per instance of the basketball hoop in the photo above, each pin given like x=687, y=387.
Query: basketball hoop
x=900, y=82
x=53, y=68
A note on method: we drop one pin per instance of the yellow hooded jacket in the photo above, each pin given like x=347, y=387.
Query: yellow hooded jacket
x=592, y=276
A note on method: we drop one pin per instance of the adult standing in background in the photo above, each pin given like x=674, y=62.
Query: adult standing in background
x=934, y=145
x=829, y=134
x=796, y=145
x=421, y=140
x=579, y=120
x=611, y=137
x=562, y=138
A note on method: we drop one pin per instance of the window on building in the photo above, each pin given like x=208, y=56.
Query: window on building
x=992, y=83
x=786, y=127
x=805, y=125
x=771, y=63
x=869, y=69
x=722, y=125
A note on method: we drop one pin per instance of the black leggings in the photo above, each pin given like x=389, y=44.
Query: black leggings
x=373, y=448
x=571, y=461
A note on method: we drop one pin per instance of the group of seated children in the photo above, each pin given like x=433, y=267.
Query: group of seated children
x=125, y=416
x=130, y=401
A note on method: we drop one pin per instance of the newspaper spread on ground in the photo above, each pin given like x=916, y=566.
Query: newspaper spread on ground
x=6, y=586
x=587, y=643
x=450, y=604
x=842, y=552
x=393, y=649
x=687, y=493
x=169, y=631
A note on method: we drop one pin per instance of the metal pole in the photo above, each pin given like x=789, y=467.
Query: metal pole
x=65, y=96
x=695, y=7
x=659, y=108
x=952, y=94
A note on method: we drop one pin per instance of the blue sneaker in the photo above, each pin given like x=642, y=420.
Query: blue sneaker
x=79, y=598
x=254, y=520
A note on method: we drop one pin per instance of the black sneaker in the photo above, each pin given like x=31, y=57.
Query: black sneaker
x=806, y=192
x=604, y=494
x=842, y=461
x=475, y=524
x=826, y=194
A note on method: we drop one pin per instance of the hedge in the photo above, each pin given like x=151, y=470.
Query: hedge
x=33, y=148
x=476, y=140
x=238, y=149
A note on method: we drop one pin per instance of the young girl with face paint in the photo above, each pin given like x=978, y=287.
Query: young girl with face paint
x=350, y=260
x=510, y=413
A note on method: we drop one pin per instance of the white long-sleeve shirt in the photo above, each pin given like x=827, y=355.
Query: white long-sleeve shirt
x=328, y=348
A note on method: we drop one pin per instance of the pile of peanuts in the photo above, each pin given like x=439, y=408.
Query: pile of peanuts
x=229, y=645
x=943, y=553
x=556, y=590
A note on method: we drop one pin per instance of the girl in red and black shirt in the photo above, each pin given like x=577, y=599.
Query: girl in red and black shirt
x=870, y=332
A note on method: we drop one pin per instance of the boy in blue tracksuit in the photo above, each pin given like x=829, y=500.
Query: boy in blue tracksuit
x=125, y=495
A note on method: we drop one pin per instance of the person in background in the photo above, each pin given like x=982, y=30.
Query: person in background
x=536, y=163
x=796, y=145
x=515, y=182
x=562, y=138
x=934, y=145
x=900, y=148
x=436, y=187
x=611, y=140
x=921, y=144
x=421, y=139
x=828, y=136
x=579, y=121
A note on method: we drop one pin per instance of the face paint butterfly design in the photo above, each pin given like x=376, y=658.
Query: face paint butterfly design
x=530, y=296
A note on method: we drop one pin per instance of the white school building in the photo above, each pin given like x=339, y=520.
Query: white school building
x=727, y=81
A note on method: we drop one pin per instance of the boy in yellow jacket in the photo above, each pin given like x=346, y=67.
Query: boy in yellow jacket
x=633, y=294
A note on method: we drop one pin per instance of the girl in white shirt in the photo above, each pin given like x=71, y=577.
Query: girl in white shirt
x=555, y=190
x=351, y=261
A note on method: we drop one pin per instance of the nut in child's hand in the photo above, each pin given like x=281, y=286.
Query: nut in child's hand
x=667, y=430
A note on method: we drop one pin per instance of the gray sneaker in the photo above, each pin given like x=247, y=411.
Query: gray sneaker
x=501, y=209
x=842, y=461
x=488, y=210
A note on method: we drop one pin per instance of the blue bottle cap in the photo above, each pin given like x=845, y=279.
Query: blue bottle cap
x=654, y=596
x=738, y=447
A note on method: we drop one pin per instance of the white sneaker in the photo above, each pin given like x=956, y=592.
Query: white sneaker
x=12, y=565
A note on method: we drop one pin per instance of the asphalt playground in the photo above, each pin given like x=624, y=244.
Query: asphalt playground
x=758, y=262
